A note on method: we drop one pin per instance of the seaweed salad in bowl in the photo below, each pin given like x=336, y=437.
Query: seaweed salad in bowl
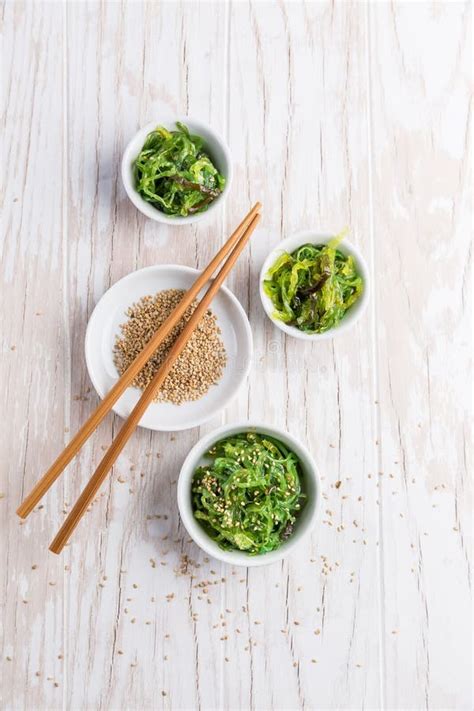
x=313, y=286
x=248, y=498
x=248, y=493
x=176, y=172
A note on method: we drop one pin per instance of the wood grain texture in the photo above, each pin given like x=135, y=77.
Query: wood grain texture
x=336, y=114
x=421, y=229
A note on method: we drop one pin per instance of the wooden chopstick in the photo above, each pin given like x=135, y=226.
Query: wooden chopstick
x=149, y=393
x=70, y=451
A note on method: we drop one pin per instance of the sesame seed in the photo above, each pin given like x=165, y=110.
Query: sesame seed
x=199, y=366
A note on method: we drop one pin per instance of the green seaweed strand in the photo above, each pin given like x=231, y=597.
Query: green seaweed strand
x=174, y=174
x=249, y=497
x=313, y=287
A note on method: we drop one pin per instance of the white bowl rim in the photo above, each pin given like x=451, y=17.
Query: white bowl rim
x=198, y=534
x=237, y=383
x=142, y=205
x=289, y=244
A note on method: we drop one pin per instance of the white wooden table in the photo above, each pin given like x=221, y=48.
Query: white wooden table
x=337, y=114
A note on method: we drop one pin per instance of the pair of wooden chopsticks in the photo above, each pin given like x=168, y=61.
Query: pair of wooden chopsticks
x=234, y=246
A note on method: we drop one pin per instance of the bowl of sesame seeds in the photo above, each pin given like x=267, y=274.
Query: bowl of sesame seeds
x=207, y=374
x=248, y=493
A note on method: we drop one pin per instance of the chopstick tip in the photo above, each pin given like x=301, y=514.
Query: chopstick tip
x=21, y=513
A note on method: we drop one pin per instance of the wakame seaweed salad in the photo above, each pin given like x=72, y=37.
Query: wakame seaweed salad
x=174, y=174
x=249, y=497
x=313, y=287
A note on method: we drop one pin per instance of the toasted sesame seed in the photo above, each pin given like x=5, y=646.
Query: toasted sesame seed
x=199, y=366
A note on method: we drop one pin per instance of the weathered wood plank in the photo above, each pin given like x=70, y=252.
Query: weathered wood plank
x=420, y=129
x=35, y=352
x=114, y=90
x=300, y=71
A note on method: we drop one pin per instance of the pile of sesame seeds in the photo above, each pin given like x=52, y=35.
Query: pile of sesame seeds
x=201, y=363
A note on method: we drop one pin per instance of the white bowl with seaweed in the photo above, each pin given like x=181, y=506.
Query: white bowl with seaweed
x=314, y=285
x=248, y=493
x=177, y=170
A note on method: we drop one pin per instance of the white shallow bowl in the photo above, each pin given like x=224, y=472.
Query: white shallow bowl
x=215, y=147
x=298, y=240
x=103, y=327
x=197, y=457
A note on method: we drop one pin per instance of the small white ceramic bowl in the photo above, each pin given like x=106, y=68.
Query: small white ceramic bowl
x=103, y=327
x=214, y=145
x=197, y=457
x=298, y=240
